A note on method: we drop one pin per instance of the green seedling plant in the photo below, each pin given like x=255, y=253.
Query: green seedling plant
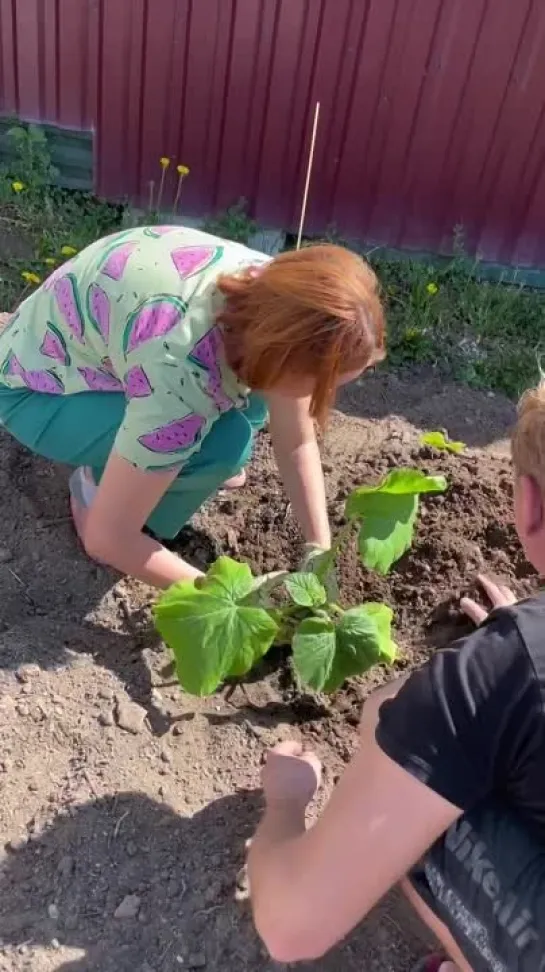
x=441, y=441
x=220, y=626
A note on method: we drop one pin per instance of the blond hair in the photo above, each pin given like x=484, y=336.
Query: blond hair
x=528, y=439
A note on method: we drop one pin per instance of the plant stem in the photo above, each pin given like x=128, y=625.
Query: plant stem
x=151, y=195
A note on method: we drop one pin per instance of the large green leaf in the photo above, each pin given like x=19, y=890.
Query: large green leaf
x=358, y=645
x=212, y=635
x=326, y=653
x=383, y=617
x=305, y=590
x=314, y=646
x=389, y=512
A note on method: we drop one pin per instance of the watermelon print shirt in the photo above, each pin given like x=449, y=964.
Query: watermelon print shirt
x=135, y=314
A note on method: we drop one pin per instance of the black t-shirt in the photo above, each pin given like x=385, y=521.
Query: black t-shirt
x=471, y=723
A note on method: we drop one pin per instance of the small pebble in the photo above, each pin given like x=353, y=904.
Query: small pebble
x=130, y=716
x=129, y=907
x=106, y=719
x=53, y=912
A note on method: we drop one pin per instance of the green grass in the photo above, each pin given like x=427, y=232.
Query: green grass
x=488, y=334
x=38, y=220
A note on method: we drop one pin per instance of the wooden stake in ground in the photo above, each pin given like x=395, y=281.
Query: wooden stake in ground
x=309, y=173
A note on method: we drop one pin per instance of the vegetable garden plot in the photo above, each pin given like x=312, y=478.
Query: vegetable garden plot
x=399, y=573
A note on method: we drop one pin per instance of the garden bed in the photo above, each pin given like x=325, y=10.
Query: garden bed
x=118, y=791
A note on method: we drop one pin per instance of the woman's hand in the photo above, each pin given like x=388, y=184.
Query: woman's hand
x=296, y=449
x=498, y=595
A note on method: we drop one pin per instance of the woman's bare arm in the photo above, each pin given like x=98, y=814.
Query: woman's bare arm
x=113, y=532
x=294, y=441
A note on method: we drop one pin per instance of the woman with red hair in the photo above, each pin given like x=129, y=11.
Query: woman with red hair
x=149, y=362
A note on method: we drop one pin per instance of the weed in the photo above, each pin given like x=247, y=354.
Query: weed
x=232, y=224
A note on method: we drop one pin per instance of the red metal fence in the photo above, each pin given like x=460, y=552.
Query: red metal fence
x=433, y=111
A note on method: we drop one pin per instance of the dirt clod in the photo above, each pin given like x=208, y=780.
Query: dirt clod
x=130, y=716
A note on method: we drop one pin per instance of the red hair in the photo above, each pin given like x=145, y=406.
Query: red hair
x=314, y=312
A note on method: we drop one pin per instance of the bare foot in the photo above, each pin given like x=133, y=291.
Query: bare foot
x=235, y=482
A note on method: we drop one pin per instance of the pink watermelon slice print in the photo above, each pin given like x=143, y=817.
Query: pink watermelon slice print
x=69, y=305
x=205, y=353
x=137, y=383
x=100, y=381
x=98, y=309
x=177, y=435
x=190, y=260
x=54, y=345
x=13, y=366
x=57, y=274
x=155, y=232
x=116, y=258
x=154, y=318
x=216, y=392
x=45, y=382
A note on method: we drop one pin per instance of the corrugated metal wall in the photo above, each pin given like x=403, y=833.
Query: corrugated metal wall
x=433, y=111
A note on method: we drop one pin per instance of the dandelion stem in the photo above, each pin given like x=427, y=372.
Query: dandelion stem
x=161, y=189
x=178, y=194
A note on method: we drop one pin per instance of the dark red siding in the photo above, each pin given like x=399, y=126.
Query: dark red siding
x=433, y=111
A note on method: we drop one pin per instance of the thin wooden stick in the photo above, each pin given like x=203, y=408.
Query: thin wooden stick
x=309, y=173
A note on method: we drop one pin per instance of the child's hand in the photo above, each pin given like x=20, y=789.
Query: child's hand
x=498, y=595
x=290, y=775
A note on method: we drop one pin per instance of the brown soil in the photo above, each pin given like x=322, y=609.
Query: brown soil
x=153, y=817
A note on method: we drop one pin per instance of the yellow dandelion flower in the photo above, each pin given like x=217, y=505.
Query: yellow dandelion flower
x=68, y=251
x=50, y=262
x=432, y=288
x=31, y=278
x=164, y=162
x=17, y=186
x=183, y=171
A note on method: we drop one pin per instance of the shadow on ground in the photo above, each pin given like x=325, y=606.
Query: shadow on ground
x=175, y=880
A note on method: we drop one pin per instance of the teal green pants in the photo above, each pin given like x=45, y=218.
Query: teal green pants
x=79, y=430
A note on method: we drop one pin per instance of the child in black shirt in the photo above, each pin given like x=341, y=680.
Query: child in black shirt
x=446, y=794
